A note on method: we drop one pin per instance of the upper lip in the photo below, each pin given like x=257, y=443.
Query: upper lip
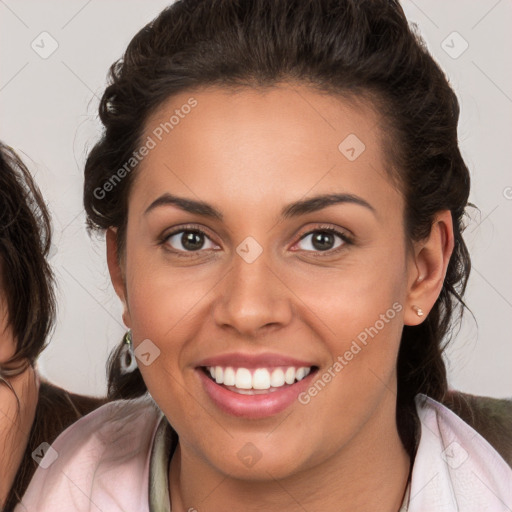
x=264, y=360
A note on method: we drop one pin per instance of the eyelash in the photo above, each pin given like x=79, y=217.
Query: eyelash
x=347, y=240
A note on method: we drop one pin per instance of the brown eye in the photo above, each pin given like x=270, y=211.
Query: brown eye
x=323, y=240
x=189, y=241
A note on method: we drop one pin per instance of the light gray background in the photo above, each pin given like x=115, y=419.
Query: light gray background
x=48, y=113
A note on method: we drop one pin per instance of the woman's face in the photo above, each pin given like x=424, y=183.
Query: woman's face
x=240, y=275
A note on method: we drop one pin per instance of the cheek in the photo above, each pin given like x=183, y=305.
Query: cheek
x=357, y=312
x=351, y=297
x=361, y=329
x=160, y=296
x=167, y=307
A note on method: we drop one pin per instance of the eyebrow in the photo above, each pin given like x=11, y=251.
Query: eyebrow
x=294, y=209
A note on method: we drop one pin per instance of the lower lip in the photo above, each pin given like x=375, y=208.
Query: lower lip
x=253, y=406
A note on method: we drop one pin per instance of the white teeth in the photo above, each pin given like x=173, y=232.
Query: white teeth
x=277, y=378
x=229, y=376
x=300, y=373
x=289, y=375
x=243, y=379
x=259, y=378
x=219, y=375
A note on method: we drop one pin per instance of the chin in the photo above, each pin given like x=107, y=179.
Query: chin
x=257, y=461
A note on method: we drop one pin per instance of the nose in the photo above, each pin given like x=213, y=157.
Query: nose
x=252, y=299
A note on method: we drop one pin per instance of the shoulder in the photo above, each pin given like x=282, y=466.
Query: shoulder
x=100, y=461
x=455, y=467
x=56, y=410
x=490, y=417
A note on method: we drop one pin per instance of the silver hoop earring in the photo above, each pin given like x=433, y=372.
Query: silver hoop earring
x=127, y=362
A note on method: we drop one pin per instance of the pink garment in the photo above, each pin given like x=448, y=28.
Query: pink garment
x=456, y=469
x=102, y=462
x=103, y=465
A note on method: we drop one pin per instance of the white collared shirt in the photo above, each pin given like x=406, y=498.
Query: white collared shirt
x=116, y=459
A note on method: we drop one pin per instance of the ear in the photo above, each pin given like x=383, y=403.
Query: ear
x=115, y=268
x=428, y=268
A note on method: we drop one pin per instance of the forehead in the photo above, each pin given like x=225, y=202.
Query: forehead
x=250, y=144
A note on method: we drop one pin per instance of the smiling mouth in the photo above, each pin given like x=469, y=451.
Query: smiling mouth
x=256, y=381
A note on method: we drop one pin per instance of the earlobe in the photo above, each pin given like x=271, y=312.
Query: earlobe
x=116, y=272
x=428, y=270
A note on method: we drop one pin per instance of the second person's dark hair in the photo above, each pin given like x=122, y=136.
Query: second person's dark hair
x=25, y=239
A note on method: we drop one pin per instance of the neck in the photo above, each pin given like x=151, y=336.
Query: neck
x=371, y=473
x=15, y=424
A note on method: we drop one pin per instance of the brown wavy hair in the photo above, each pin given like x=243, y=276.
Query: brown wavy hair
x=28, y=288
x=356, y=49
x=25, y=240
